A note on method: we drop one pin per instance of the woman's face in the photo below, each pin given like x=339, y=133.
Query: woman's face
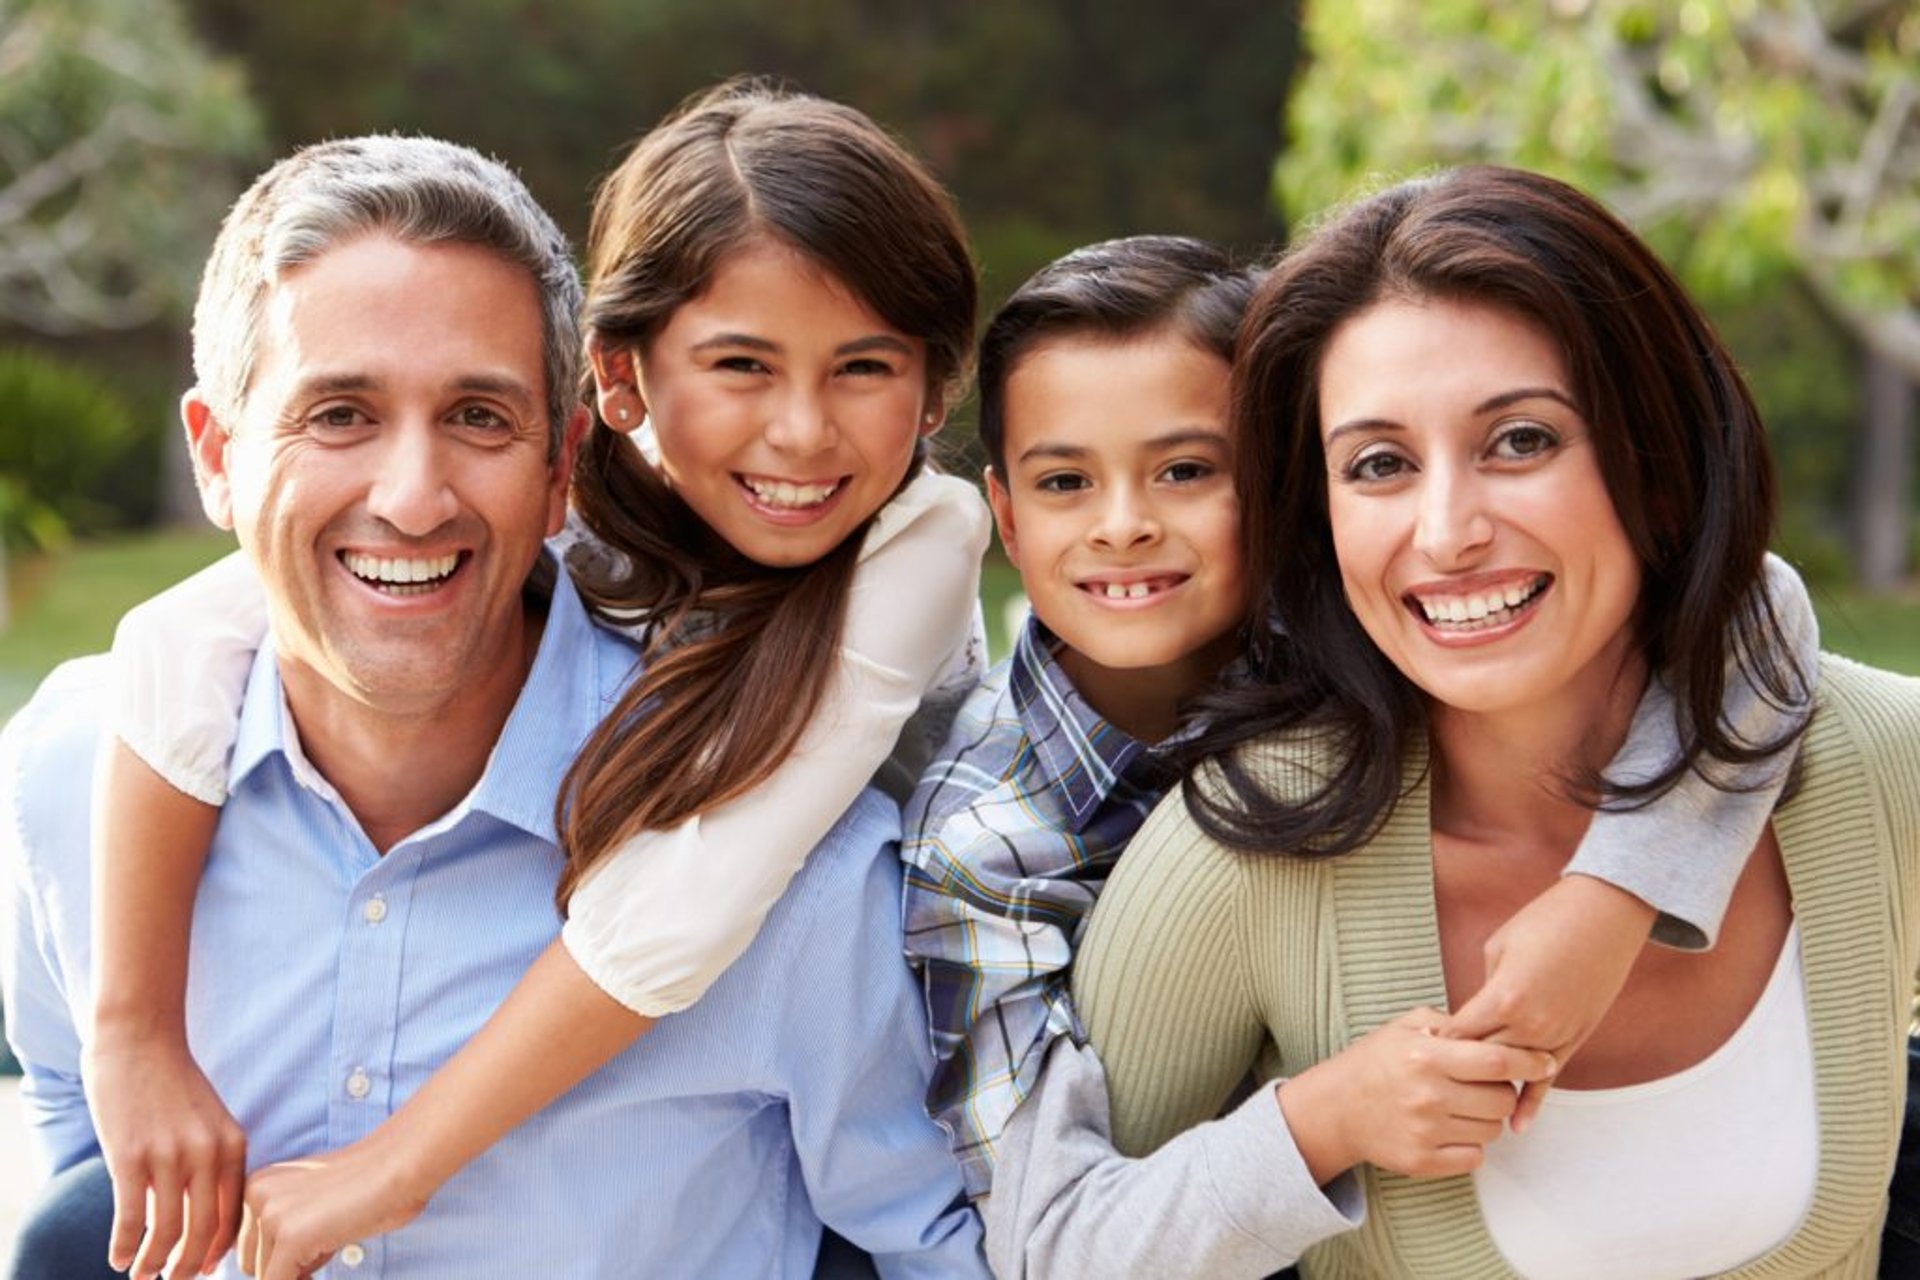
x=784, y=410
x=1477, y=542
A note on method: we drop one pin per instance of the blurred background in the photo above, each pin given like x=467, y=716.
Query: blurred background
x=1769, y=148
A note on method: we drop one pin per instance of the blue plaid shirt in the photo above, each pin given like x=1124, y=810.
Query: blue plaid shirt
x=1011, y=834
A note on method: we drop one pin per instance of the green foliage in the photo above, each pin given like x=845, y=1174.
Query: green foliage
x=71, y=455
x=117, y=139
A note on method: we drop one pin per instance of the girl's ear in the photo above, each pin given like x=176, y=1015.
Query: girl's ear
x=934, y=416
x=616, y=384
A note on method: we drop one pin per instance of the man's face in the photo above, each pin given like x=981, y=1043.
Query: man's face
x=389, y=472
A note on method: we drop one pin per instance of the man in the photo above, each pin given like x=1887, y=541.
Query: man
x=386, y=350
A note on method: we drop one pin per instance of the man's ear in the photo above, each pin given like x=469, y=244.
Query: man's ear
x=616, y=384
x=207, y=441
x=561, y=479
x=1002, y=503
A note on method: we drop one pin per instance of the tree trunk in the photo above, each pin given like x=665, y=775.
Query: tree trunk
x=1883, y=476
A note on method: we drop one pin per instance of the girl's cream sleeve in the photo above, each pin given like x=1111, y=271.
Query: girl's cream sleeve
x=657, y=921
x=179, y=670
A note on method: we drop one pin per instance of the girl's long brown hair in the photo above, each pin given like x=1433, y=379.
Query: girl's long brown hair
x=738, y=654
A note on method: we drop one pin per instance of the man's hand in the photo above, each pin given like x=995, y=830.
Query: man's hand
x=1406, y=1099
x=1553, y=971
x=171, y=1147
x=301, y=1212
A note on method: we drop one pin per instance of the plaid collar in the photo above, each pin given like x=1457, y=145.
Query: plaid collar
x=1086, y=757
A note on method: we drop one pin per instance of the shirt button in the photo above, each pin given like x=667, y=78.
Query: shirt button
x=375, y=911
x=359, y=1084
x=353, y=1255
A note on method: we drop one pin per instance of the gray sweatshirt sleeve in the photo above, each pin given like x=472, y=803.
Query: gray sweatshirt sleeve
x=1683, y=853
x=1228, y=1198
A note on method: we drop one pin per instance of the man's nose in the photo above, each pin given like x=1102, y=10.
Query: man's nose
x=413, y=488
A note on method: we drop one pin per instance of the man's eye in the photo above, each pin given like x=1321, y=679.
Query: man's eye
x=483, y=418
x=338, y=417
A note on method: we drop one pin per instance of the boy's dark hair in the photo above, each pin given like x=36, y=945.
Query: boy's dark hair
x=1115, y=289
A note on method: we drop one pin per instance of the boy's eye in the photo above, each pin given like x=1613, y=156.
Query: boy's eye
x=1524, y=440
x=1062, y=482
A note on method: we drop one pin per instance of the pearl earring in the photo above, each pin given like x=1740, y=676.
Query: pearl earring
x=621, y=413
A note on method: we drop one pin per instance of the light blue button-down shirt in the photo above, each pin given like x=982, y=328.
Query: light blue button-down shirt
x=327, y=982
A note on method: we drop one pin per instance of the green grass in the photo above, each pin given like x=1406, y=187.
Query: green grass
x=66, y=605
x=1881, y=631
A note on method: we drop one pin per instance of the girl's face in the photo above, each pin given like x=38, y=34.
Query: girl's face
x=785, y=411
x=1477, y=542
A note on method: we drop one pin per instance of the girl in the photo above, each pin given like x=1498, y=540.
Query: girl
x=779, y=312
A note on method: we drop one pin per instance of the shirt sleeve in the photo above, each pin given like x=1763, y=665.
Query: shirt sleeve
x=1683, y=853
x=993, y=938
x=659, y=919
x=854, y=1067
x=1231, y=1197
x=34, y=982
x=180, y=666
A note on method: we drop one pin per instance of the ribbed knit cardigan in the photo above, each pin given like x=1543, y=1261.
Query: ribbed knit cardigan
x=1201, y=962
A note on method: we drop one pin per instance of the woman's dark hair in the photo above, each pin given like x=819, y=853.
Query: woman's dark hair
x=1679, y=443
x=1115, y=289
x=723, y=701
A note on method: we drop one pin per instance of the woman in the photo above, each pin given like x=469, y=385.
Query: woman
x=1498, y=475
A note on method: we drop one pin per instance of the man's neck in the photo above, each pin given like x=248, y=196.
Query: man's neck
x=399, y=765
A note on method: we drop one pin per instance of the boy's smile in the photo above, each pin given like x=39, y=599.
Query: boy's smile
x=1118, y=509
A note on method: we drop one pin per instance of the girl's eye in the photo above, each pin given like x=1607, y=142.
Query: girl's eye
x=1524, y=440
x=740, y=364
x=867, y=368
x=1381, y=464
x=1062, y=482
x=1187, y=471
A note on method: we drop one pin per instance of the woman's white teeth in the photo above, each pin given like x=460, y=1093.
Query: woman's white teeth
x=782, y=493
x=399, y=572
x=1478, y=608
x=1131, y=591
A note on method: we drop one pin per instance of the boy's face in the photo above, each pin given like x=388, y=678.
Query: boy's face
x=1118, y=509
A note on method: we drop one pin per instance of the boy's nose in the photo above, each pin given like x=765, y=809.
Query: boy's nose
x=1125, y=521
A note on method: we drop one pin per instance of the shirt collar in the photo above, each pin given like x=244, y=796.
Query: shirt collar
x=575, y=680
x=1084, y=755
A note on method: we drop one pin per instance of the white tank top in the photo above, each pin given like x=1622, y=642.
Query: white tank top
x=1688, y=1175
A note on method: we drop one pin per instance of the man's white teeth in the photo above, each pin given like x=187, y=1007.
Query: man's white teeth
x=1134, y=591
x=1480, y=607
x=400, y=572
x=783, y=493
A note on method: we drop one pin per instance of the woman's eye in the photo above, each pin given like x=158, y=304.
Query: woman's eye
x=1061, y=482
x=1380, y=465
x=1527, y=440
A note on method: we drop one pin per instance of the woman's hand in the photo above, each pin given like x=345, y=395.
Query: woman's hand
x=300, y=1213
x=1553, y=970
x=169, y=1142
x=1407, y=1099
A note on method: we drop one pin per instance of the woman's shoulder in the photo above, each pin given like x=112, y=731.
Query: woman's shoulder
x=1881, y=708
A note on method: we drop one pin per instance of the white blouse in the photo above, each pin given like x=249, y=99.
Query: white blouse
x=657, y=920
x=1689, y=1175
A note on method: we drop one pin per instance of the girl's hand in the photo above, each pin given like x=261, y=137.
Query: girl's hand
x=1406, y=1099
x=169, y=1142
x=1553, y=971
x=300, y=1213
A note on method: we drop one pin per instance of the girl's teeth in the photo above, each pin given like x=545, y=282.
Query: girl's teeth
x=782, y=493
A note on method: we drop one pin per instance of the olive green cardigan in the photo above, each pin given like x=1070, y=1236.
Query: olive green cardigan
x=1200, y=962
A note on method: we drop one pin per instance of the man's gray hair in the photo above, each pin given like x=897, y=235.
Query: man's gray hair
x=417, y=190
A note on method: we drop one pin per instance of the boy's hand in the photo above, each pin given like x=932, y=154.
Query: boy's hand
x=1553, y=971
x=300, y=1213
x=169, y=1142
x=1406, y=1099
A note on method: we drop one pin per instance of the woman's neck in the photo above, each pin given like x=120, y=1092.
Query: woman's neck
x=1498, y=775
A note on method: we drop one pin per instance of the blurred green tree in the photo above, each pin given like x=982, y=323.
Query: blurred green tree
x=116, y=133
x=1751, y=140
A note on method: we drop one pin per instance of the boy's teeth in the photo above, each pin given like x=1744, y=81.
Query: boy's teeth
x=782, y=493
x=1129, y=591
x=399, y=570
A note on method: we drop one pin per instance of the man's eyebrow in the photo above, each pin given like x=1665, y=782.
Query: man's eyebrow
x=495, y=385
x=333, y=384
